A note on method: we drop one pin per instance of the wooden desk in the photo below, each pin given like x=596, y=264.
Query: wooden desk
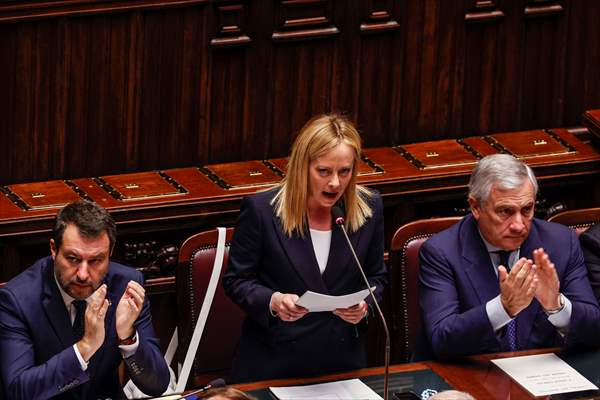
x=476, y=375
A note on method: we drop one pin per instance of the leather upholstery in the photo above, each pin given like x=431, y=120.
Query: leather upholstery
x=579, y=220
x=404, y=261
x=223, y=326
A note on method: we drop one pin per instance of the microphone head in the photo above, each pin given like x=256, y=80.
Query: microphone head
x=338, y=215
x=219, y=382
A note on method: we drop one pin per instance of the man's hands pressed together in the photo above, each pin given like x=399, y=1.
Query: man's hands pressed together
x=129, y=309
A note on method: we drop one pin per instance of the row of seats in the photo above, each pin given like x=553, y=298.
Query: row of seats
x=222, y=330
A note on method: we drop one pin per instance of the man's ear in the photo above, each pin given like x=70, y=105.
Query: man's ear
x=53, y=249
x=475, y=207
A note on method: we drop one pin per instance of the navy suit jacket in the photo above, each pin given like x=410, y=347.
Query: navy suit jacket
x=37, y=359
x=263, y=259
x=457, y=279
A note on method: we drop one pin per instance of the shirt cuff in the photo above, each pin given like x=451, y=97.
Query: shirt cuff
x=82, y=362
x=562, y=319
x=127, y=350
x=496, y=313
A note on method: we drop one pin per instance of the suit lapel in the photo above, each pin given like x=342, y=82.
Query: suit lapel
x=339, y=255
x=478, y=267
x=55, y=308
x=301, y=255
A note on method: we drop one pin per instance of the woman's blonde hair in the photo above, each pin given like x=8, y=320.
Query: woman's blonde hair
x=318, y=136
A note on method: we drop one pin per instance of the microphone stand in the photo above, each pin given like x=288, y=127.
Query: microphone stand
x=386, y=375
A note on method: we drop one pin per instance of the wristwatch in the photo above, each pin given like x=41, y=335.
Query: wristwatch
x=127, y=341
x=561, y=301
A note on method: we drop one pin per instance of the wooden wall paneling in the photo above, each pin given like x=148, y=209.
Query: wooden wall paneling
x=8, y=56
x=302, y=67
x=544, y=63
x=79, y=98
x=412, y=31
x=227, y=87
x=160, y=83
x=302, y=73
x=193, y=100
x=581, y=82
x=432, y=71
x=133, y=90
x=104, y=147
x=114, y=130
x=450, y=35
x=27, y=10
x=379, y=16
x=170, y=139
x=25, y=90
x=60, y=100
x=345, y=86
x=536, y=8
x=304, y=20
x=507, y=100
x=228, y=82
x=482, y=45
x=379, y=73
x=257, y=123
x=483, y=11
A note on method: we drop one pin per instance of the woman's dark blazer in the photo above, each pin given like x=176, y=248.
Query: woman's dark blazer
x=263, y=260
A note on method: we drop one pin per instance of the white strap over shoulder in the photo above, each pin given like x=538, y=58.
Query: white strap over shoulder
x=203, y=315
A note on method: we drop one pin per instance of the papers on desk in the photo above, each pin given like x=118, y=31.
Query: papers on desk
x=544, y=374
x=351, y=389
x=315, y=302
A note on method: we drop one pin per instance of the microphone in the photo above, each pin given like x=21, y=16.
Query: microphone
x=216, y=383
x=338, y=216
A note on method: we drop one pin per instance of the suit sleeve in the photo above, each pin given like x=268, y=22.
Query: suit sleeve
x=590, y=244
x=241, y=281
x=585, y=315
x=147, y=368
x=449, y=331
x=22, y=377
x=375, y=268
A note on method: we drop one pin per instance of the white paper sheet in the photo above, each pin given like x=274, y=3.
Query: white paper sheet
x=544, y=374
x=315, y=302
x=351, y=389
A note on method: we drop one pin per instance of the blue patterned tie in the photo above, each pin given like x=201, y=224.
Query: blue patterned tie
x=511, y=327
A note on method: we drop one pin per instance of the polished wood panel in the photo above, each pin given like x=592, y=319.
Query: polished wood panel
x=101, y=87
x=476, y=375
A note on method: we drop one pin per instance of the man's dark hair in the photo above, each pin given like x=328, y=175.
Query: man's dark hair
x=91, y=220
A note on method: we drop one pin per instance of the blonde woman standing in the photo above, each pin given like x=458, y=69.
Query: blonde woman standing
x=286, y=243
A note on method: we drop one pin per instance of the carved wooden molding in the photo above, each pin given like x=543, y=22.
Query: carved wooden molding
x=16, y=11
x=541, y=8
x=231, y=25
x=483, y=11
x=304, y=20
x=377, y=18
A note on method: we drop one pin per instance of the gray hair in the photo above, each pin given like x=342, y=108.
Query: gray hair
x=452, y=395
x=501, y=170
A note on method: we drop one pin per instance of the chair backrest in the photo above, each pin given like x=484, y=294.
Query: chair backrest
x=579, y=220
x=223, y=326
x=404, y=273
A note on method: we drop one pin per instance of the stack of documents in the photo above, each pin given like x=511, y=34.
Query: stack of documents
x=351, y=389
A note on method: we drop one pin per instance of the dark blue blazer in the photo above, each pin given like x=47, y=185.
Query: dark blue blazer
x=37, y=360
x=262, y=260
x=457, y=279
